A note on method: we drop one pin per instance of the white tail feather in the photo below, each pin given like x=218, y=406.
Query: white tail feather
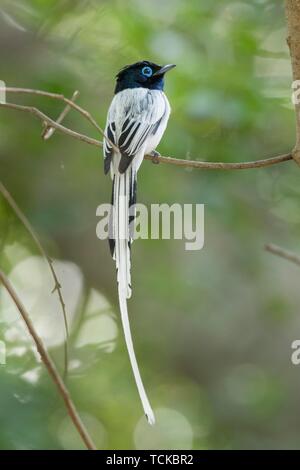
x=127, y=333
x=122, y=257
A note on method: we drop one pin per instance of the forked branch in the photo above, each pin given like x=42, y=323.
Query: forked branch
x=50, y=123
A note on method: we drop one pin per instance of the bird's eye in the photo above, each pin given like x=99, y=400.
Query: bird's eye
x=147, y=71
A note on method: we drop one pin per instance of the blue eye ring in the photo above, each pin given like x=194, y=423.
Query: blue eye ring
x=147, y=71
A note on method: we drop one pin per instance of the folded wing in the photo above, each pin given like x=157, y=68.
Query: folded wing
x=135, y=115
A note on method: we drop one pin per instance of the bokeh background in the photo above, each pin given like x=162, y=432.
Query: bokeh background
x=212, y=328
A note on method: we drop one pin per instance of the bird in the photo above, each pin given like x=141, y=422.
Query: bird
x=136, y=121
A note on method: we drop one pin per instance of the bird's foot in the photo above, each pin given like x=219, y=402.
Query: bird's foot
x=156, y=156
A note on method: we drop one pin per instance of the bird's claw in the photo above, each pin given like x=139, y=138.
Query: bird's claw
x=156, y=156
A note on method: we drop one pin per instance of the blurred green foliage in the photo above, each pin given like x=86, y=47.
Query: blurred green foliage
x=213, y=329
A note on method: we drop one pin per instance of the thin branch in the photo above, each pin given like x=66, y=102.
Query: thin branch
x=48, y=130
x=222, y=165
x=59, y=97
x=286, y=254
x=162, y=159
x=50, y=366
x=57, y=286
x=62, y=129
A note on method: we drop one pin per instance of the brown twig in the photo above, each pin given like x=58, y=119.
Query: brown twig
x=56, y=96
x=50, y=366
x=162, y=159
x=222, y=165
x=62, y=129
x=283, y=253
x=48, y=130
x=57, y=286
x=69, y=102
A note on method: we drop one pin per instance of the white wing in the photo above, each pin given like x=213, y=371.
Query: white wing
x=135, y=115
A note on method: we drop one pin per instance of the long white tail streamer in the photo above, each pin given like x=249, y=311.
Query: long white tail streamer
x=121, y=201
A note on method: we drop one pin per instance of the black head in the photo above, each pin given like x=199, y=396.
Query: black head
x=143, y=74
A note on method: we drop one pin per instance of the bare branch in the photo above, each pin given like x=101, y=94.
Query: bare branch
x=286, y=254
x=162, y=159
x=57, y=286
x=49, y=131
x=222, y=165
x=59, y=97
x=63, y=130
x=50, y=366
